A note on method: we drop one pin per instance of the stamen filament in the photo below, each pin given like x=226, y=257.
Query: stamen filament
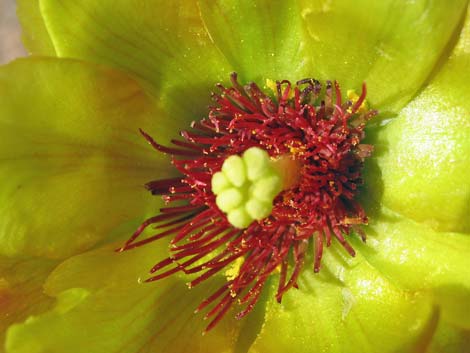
x=261, y=179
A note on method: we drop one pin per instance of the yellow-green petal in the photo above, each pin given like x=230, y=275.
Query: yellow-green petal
x=72, y=161
x=104, y=306
x=34, y=35
x=424, y=154
x=21, y=292
x=391, y=45
x=163, y=44
x=348, y=307
x=449, y=339
x=415, y=257
x=261, y=39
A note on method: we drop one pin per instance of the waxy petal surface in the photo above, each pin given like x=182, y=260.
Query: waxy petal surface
x=261, y=39
x=391, y=45
x=415, y=257
x=424, y=154
x=72, y=161
x=35, y=35
x=348, y=307
x=103, y=306
x=21, y=291
x=164, y=45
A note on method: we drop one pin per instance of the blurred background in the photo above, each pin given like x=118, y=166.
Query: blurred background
x=10, y=32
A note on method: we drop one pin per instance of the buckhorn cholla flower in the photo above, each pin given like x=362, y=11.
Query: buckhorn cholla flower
x=74, y=162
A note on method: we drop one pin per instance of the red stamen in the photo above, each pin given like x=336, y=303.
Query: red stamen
x=320, y=136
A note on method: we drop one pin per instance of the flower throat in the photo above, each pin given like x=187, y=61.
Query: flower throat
x=263, y=179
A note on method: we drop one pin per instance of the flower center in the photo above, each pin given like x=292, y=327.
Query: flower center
x=261, y=178
x=246, y=187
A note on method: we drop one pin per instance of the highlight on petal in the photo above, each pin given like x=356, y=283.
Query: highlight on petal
x=261, y=39
x=35, y=36
x=392, y=45
x=162, y=44
x=21, y=292
x=72, y=162
x=104, y=306
x=348, y=307
x=415, y=257
x=425, y=164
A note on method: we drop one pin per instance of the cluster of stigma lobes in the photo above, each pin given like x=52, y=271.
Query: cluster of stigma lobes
x=246, y=187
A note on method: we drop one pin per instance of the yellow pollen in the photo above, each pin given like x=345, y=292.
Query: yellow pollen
x=272, y=85
x=296, y=150
x=232, y=272
x=354, y=97
x=353, y=220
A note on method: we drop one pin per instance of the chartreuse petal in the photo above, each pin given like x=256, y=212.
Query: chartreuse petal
x=261, y=39
x=72, y=161
x=425, y=167
x=21, y=292
x=350, y=41
x=391, y=45
x=164, y=45
x=103, y=306
x=415, y=257
x=348, y=307
x=449, y=339
x=35, y=36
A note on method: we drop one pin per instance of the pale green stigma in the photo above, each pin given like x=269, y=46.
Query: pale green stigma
x=246, y=187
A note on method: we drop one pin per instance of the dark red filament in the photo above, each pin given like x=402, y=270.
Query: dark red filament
x=312, y=126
